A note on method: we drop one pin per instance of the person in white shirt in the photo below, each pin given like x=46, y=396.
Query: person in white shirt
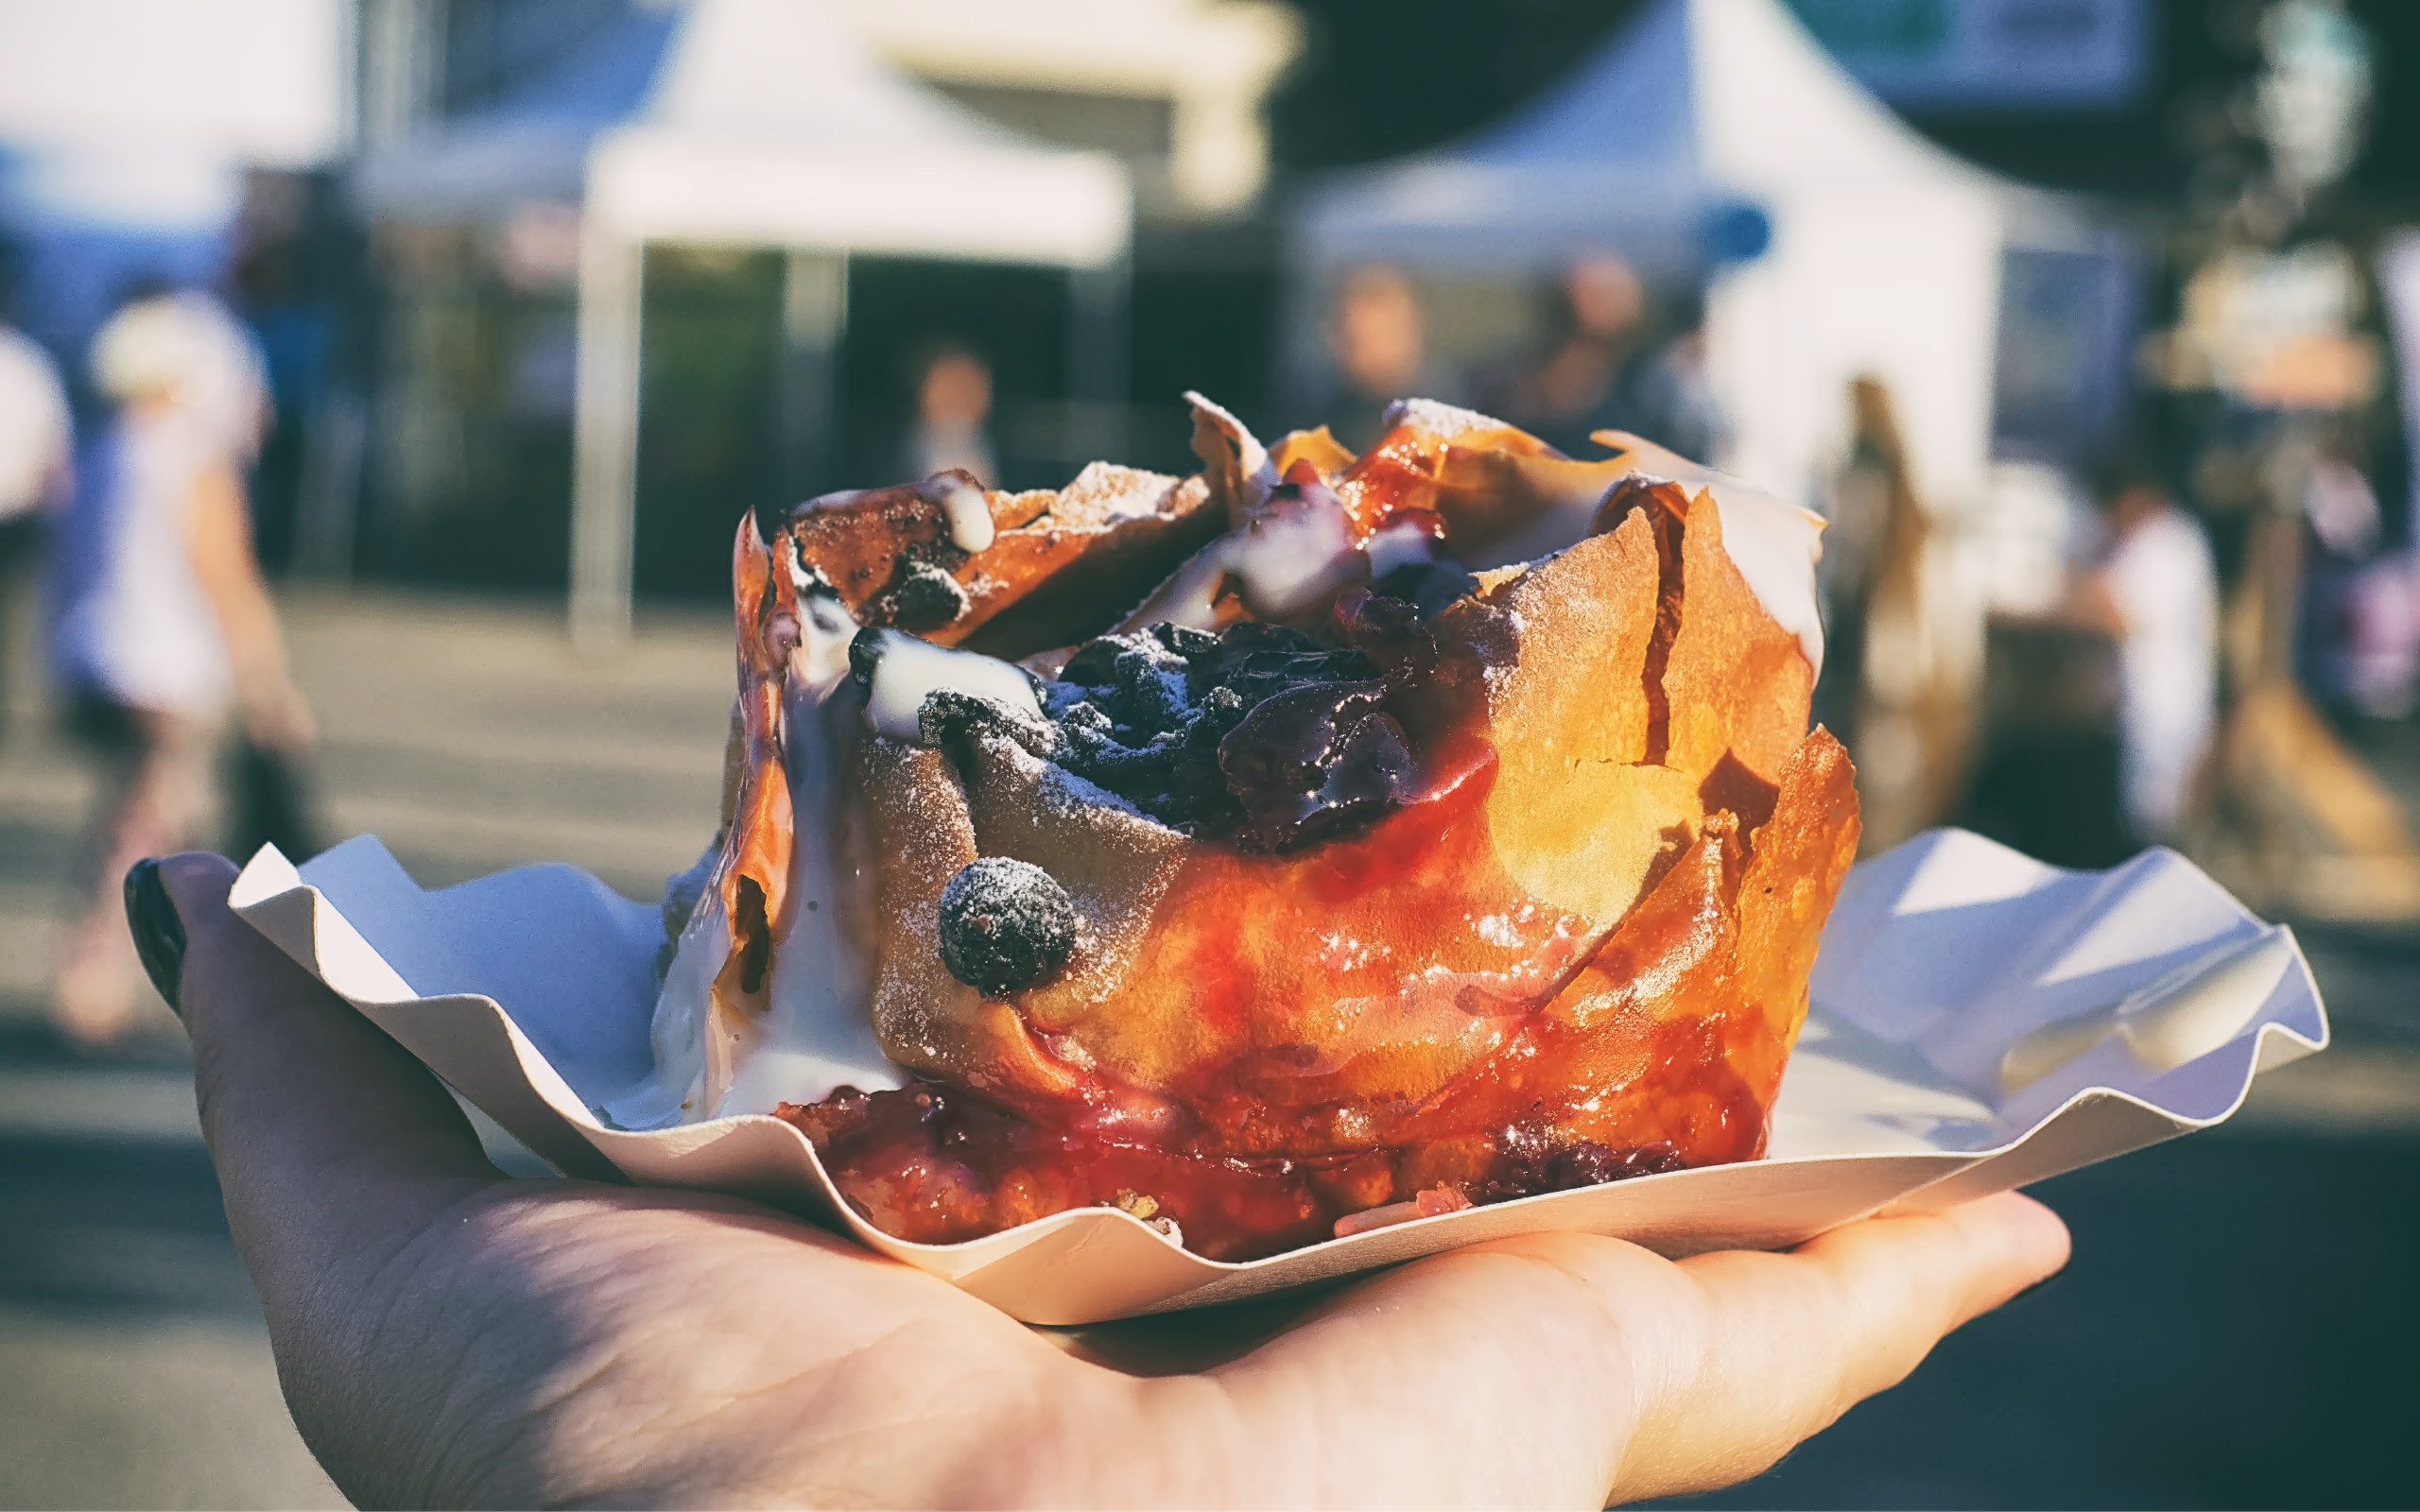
x=2155, y=588
x=161, y=621
x=35, y=440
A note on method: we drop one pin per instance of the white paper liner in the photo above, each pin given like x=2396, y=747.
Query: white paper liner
x=530, y=991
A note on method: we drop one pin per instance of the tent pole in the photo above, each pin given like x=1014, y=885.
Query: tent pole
x=815, y=316
x=605, y=437
x=1097, y=303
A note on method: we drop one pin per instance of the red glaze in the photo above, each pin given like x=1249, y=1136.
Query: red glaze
x=1592, y=1060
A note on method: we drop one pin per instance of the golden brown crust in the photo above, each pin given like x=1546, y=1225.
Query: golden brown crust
x=1803, y=854
x=1066, y=576
x=1317, y=447
x=927, y=1019
x=1094, y=545
x=753, y=874
x=1736, y=683
x=1578, y=816
x=1117, y=866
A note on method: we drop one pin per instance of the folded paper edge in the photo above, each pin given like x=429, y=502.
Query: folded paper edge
x=271, y=895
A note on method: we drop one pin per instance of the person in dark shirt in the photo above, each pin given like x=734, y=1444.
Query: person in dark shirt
x=953, y=411
x=1603, y=369
x=1377, y=342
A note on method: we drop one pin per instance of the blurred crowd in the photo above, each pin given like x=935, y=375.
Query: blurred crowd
x=1607, y=362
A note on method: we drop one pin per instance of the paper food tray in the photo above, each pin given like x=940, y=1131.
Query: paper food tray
x=2133, y=1005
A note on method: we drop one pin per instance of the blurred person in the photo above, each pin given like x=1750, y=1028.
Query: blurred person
x=230, y=393
x=1602, y=371
x=268, y=785
x=2338, y=502
x=2156, y=589
x=953, y=408
x=2345, y=602
x=35, y=444
x=161, y=621
x=1377, y=343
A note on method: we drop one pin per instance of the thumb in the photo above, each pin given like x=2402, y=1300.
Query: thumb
x=333, y=1146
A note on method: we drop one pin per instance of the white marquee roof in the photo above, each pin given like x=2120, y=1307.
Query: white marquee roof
x=1693, y=104
x=764, y=122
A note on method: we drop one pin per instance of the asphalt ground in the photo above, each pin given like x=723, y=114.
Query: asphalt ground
x=2239, y=1326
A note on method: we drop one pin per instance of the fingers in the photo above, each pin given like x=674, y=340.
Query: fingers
x=1562, y=1368
x=1792, y=1341
x=333, y=1146
x=1502, y=1375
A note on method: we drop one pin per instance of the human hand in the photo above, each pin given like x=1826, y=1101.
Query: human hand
x=449, y=1336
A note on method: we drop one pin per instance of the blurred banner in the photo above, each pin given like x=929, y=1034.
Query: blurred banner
x=1994, y=54
x=2060, y=376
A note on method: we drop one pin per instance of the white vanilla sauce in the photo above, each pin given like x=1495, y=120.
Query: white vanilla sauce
x=1400, y=542
x=1294, y=549
x=968, y=514
x=817, y=1032
x=908, y=670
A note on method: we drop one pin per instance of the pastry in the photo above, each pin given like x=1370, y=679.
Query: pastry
x=1444, y=829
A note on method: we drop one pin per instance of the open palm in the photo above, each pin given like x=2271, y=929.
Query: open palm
x=447, y=1335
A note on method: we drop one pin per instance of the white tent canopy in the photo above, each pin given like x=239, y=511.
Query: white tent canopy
x=757, y=122
x=754, y=122
x=1884, y=256
x=533, y=143
x=771, y=123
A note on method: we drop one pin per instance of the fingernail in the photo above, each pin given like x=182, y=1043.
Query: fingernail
x=159, y=932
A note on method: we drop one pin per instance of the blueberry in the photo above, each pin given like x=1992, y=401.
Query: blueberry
x=1006, y=925
x=865, y=654
x=948, y=716
x=1257, y=732
x=1185, y=640
x=923, y=597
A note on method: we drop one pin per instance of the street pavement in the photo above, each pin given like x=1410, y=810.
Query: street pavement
x=2238, y=1329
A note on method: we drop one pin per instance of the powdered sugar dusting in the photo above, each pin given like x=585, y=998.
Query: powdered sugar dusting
x=1072, y=797
x=1113, y=860
x=1434, y=415
x=1105, y=493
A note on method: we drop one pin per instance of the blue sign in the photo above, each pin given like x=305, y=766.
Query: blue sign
x=1735, y=232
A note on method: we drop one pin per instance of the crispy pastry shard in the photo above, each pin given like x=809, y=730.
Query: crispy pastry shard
x=954, y=564
x=708, y=1021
